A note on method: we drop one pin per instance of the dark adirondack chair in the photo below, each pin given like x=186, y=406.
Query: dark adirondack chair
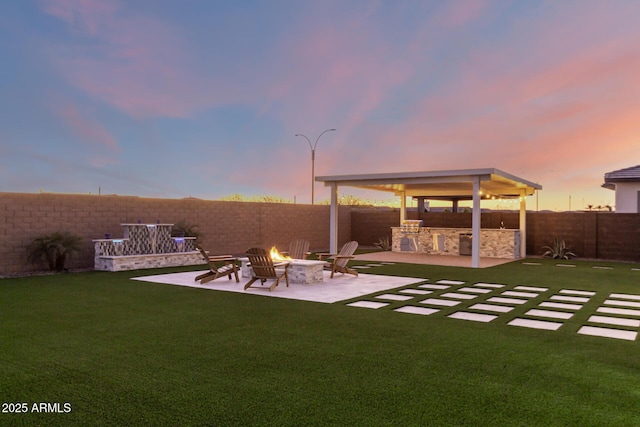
x=341, y=259
x=264, y=269
x=227, y=267
x=298, y=249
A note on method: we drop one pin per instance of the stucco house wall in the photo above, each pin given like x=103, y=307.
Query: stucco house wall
x=628, y=197
x=626, y=184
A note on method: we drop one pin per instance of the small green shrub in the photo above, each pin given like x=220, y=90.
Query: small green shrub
x=383, y=243
x=54, y=249
x=558, y=250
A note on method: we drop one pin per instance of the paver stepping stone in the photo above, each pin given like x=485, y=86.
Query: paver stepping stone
x=415, y=291
x=623, y=311
x=450, y=282
x=531, y=263
x=519, y=294
x=491, y=307
x=430, y=286
x=619, y=321
x=568, y=298
x=507, y=300
x=436, y=301
x=394, y=297
x=573, y=292
x=565, y=265
x=530, y=288
x=608, y=333
x=535, y=324
x=625, y=296
x=475, y=290
x=463, y=315
x=416, y=310
x=368, y=304
x=549, y=313
x=622, y=303
x=600, y=267
x=358, y=267
x=375, y=265
x=458, y=295
x=560, y=305
x=489, y=285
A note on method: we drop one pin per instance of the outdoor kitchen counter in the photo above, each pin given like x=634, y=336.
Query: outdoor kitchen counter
x=494, y=243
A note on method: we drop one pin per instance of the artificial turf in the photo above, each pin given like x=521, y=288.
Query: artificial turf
x=123, y=352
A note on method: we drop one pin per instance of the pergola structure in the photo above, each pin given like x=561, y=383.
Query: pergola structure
x=454, y=185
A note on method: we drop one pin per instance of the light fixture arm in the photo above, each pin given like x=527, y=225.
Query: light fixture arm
x=313, y=159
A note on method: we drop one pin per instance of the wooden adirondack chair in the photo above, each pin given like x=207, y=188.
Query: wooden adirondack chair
x=227, y=268
x=298, y=249
x=341, y=259
x=264, y=269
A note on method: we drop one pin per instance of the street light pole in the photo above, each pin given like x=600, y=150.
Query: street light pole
x=313, y=159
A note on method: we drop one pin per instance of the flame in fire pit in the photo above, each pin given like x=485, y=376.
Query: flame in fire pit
x=277, y=256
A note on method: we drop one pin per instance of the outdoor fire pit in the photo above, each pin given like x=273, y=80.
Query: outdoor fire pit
x=300, y=271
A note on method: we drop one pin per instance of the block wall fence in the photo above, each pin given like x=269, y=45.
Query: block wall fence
x=233, y=227
x=592, y=235
x=226, y=227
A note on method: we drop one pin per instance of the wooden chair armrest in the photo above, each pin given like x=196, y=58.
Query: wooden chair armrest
x=344, y=256
x=284, y=264
x=325, y=255
x=222, y=258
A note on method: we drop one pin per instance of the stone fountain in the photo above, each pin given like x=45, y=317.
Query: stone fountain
x=145, y=246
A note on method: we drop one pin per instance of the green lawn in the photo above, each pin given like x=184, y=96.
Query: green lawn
x=124, y=352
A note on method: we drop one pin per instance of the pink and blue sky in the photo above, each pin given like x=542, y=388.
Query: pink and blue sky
x=165, y=98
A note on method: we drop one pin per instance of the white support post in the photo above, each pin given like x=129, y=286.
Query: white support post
x=403, y=206
x=523, y=224
x=475, y=224
x=333, y=220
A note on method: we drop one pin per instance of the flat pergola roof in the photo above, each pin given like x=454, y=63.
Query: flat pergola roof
x=462, y=184
x=446, y=184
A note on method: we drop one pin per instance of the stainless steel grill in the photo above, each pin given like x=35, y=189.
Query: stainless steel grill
x=411, y=225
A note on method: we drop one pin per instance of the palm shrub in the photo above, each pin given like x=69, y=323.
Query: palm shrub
x=383, y=243
x=185, y=229
x=54, y=249
x=558, y=250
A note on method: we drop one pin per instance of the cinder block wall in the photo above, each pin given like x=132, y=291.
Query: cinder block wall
x=618, y=236
x=233, y=227
x=226, y=227
x=591, y=235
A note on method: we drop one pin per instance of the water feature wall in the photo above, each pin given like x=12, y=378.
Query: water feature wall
x=145, y=246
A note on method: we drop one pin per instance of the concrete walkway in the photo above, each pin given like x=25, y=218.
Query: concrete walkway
x=446, y=260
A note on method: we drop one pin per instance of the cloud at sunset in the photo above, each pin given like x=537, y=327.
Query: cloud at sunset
x=546, y=91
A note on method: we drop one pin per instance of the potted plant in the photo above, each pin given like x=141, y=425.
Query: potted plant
x=54, y=249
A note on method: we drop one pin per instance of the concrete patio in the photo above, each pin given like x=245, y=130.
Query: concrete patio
x=445, y=260
x=340, y=288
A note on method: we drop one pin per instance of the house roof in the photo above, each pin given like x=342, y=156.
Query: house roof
x=631, y=174
x=451, y=184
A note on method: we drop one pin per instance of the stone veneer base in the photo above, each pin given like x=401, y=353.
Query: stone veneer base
x=139, y=262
